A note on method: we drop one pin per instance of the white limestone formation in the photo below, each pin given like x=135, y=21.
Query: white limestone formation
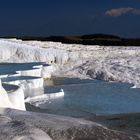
x=26, y=77
x=4, y=99
x=32, y=72
x=25, y=82
x=96, y=62
x=46, y=72
x=12, y=99
x=119, y=63
x=21, y=52
x=40, y=99
x=17, y=99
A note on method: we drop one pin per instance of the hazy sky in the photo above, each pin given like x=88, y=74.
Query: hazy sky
x=70, y=17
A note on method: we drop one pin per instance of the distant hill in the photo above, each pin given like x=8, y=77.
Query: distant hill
x=93, y=39
x=96, y=36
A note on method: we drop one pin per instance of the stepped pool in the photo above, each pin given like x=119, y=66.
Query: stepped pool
x=85, y=98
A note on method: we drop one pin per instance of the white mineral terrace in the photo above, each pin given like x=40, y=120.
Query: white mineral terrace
x=83, y=61
x=21, y=77
x=111, y=63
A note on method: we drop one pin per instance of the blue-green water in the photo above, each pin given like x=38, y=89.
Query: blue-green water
x=11, y=68
x=86, y=98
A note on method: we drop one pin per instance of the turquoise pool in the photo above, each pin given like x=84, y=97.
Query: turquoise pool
x=85, y=98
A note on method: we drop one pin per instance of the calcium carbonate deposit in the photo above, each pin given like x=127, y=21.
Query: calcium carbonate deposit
x=25, y=65
x=111, y=63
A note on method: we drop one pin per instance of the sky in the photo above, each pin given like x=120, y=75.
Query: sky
x=70, y=17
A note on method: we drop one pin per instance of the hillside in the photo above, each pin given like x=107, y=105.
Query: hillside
x=93, y=39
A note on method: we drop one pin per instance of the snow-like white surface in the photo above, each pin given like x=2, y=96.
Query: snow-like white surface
x=18, y=51
x=33, y=82
x=17, y=99
x=27, y=77
x=46, y=72
x=117, y=63
x=40, y=99
x=97, y=62
x=13, y=99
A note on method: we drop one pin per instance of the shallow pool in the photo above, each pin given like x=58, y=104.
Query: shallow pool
x=85, y=98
